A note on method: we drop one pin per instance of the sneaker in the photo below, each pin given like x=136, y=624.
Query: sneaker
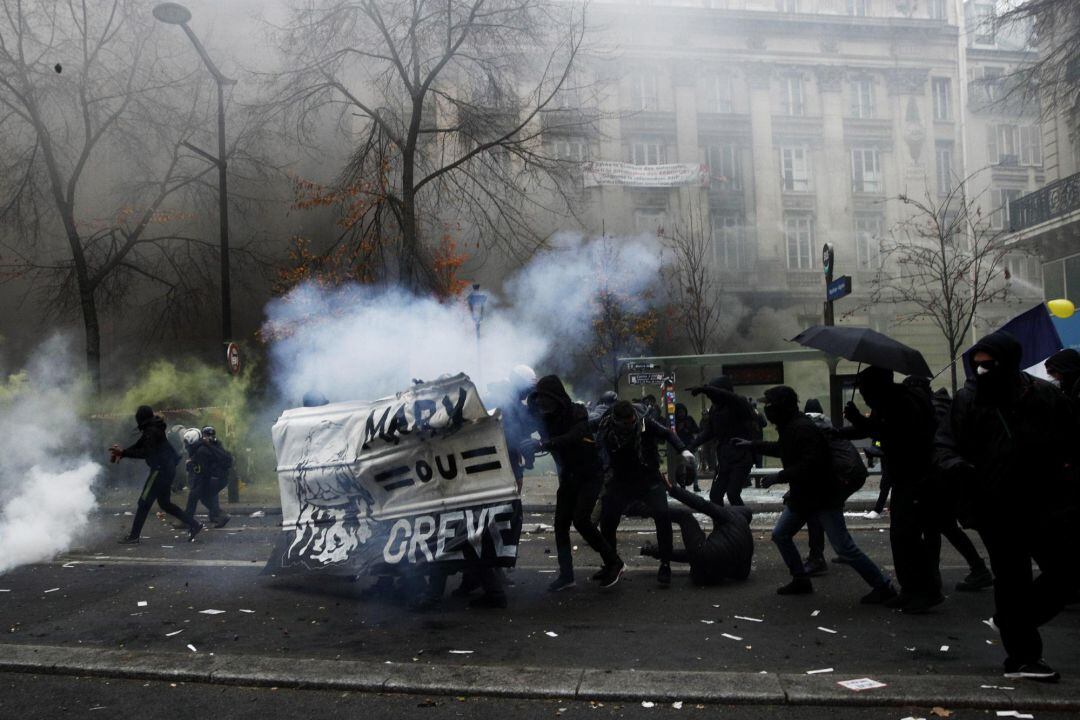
x=841, y=561
x=976, y=580
x=663, y=575
x=195, y=530
x=798, y=586
x=562, y=583
x=1037, y=670
x=921, y=604
x=879, y=595
x=873, y=515
x=128, y=540
x=612, y=574
x=489, y=601
x=814, y=567
x=223, y=521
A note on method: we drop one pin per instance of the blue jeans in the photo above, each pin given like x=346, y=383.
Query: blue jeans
x=832, y=521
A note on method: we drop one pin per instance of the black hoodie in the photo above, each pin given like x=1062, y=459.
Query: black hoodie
x=564, y=428
x=730, y=416
x=154, y=447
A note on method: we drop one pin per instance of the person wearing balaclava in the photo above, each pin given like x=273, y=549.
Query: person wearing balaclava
x=1064, y=367
x=564, y=432
x=730, y=417
x=813, y=492
x=902, y=419
x=153, y=447
x=630, y=440
x=1009, y=444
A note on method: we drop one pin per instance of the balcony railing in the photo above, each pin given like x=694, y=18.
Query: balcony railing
x=1054, y=200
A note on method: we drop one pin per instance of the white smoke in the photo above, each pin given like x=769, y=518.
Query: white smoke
x=46, y=477
x=362, y=342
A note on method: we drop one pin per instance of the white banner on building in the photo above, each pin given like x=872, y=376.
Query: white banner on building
x=671, y=175
x=420, y=477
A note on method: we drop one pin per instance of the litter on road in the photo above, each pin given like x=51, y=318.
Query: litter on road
x=818, y=672
x=211, y=611
x=191, y=648
x=709, y=622
x=142, y=603
x=174, y=632
x=1015, y=714
x=996, y=687
x=815, y=613
x=944, y=648
x=551, y=634
x=245, y=610
x=461, y=652
x=647, y=704
x=729, y=636
x=52, y=590
x=860, y=684
x=258, y=514
x=743, y=617
x=828, y=630
x=677, y=704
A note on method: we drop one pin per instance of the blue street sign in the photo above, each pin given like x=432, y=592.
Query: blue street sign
x=839, y=287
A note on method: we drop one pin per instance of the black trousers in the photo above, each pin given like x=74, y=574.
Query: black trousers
x=574, y=502
x=204, y=491
x=951, y=531
x=915, y=537
x=489, y=579
x=1022, y=602
x=730, y=479
x=620, y=494
x=157, y=489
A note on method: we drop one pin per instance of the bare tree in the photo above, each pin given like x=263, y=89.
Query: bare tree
x=98, y=190
x=1053, y=78
x=941, y=264
x=692, y=286
x=450, y=109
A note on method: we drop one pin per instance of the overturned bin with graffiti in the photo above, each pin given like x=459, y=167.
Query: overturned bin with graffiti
x=408, y=483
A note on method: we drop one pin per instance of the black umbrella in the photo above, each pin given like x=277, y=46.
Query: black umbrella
x=865, y=346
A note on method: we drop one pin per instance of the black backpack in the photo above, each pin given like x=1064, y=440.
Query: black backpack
x=848, y=466
x=223, y=462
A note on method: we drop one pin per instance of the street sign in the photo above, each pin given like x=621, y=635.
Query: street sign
x=827, y=258
x=649, y=378
x=839, y=288
x=639, y=366
x=232, y=358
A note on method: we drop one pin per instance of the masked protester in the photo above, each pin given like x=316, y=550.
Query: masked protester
x=902, y=419
x=202, y=486
x=564, y=431
x=161, y=457
x=687, y=429
x=1064, y=367
x=1009, y=444
x=730, y=417
x=724, y=554
x=813, y=492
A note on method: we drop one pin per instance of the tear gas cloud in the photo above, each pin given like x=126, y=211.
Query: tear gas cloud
x=364, y=342
x=46, y=477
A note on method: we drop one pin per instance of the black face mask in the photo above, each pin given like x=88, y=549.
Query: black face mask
x=777, y=415
x=993, y=387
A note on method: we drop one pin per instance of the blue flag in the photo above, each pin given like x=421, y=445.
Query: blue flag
x=1038, y=337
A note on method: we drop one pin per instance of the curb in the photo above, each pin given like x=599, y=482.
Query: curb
x=953, y=691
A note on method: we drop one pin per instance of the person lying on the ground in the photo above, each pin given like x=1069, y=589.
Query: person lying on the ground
x=723, y=554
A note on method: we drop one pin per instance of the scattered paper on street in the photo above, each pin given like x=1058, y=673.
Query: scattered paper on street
x=941, y=712
x=191, y=648
x=647, y=704
x=729, y=636
x=743, y=617
x=828, y=630
x=944, y=648
x=461, y=652
x=818, y=672
x=815, y=613
x=211, y=611
x=708, y=622
x=245, y=610
x=551, y=634
x=996, y=687
x=174, y=632
x=258, y=514
x=52, y=590
x=859, y=684
x=1015, y=714
x=142, y=603
x=677, y=704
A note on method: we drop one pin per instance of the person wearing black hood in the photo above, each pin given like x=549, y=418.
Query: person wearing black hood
x=153, y=447
x=730, y=417
x=1064, y=367
x=630, y=439
x=902, y=419
x=813, y=493
x=1010, y=429
x=564, y=432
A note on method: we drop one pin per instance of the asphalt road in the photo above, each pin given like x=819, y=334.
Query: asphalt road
x=93, y=598
x=33, y=697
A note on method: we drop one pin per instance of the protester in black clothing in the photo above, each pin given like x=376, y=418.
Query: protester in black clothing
x=1064, y=367
x=687, y=429
x=730, y=417
x=203, y=482
x=1010, y=429
x=564, y=431
x=815, y=564
x=758, y=434
x=814, y=492
x=723, y=554
x=161, y=457
x=630, y=440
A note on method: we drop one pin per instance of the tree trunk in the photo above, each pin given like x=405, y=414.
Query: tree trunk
x=92, y=329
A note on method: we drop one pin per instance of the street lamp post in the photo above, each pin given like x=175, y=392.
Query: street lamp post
x=176, y=14
x=476, y=300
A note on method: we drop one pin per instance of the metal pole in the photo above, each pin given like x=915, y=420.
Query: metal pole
x=223, y=218
x=836, y=409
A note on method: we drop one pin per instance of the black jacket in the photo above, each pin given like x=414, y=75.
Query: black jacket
x=201, y=462
x=905, y=425
x=804, y=451
x=730, y=416
x=636, y=462
x=566, y=433
x=154, y=447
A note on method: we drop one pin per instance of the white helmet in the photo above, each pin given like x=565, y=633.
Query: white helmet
x=523, y=377
x=192, y=436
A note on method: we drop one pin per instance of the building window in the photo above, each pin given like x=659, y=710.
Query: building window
x=944, y=167
x=862, y=98
x=856, y=7
x=1030, y=145
x=725, y=169
x=650, y=221
x=1001, y=197
x=799, y=235
x=865, y=171
x=646, y=151
x=936, y=9
x=1025, y=268
x=570, y=149
x=992, y=83
x=868, y=232
x=718, y=94
x=795, y=169
x=643, y=91
x=730, y=249
x=1013, y=145
x=788, y=6
x=983, y=25
x=792, y=100
x=942, y=90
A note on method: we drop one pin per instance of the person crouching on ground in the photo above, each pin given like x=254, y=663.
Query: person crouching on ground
x=804, y=452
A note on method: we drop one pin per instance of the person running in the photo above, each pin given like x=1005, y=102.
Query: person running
x=161, y=457
x=202, y=484
x=724, y=554
x=730, y=416
x=630, y=440
x=813, y=493
x=564, y=432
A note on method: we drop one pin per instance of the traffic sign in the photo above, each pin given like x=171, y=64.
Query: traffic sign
x=649, y=378
x=827, y=258
x=232, y=358
x=839, y=288
x=639, y=365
